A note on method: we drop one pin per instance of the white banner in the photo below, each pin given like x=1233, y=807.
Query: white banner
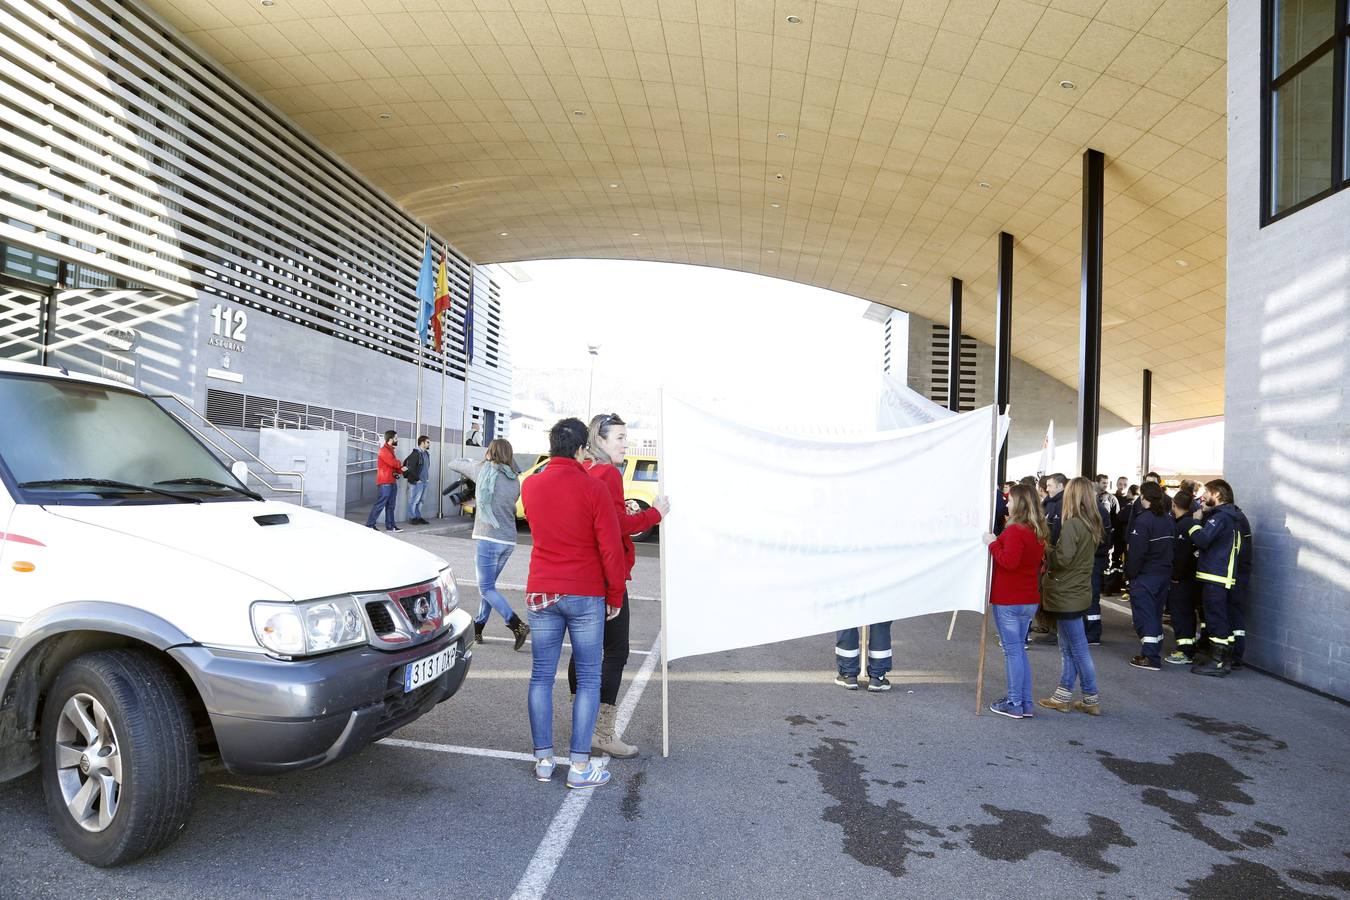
x=783, y=536
x=899, y=406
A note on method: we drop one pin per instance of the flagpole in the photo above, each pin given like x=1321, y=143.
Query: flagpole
x=417, y=415
x=464, y=420
x=661, y=559
x=440, y=466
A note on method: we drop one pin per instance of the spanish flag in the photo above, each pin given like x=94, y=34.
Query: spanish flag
x=442, y=300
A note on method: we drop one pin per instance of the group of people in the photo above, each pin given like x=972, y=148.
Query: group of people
x=577, y=585
x=1054, y=540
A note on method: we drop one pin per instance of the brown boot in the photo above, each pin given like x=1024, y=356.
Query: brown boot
x=605, y=740
x=1092, y=708
x=1058, y=700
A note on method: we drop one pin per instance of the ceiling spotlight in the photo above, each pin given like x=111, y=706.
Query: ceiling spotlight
x=778, y=176
x=1183, y=263
x=455, y=187
x=503, y=234
x=984, y=184
x=770, y=251
x=613, y=184
x=904, y=284
x=776, y=205
x=794, y=20
x=269, y=2
x=1067, y=85
x=635, y=234
x=385, y=116
x=782, y=135
x=579, y=113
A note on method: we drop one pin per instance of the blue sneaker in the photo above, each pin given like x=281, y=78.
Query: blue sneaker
x=589, y=777
x=1028, y=710
x=1004, y=707
x=543, y=768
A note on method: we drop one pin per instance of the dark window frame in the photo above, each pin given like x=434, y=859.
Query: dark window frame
x=1340, y=173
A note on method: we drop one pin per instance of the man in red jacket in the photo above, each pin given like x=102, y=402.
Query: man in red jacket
x=576, y=581
x=387, y=470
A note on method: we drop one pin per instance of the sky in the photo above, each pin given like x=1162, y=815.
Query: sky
x=763, y=347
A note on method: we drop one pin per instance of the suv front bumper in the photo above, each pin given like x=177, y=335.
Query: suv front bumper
x=272, y=716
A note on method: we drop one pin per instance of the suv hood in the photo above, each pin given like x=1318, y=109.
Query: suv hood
x=313, y=555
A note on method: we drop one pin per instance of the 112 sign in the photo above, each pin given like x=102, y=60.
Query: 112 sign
x=229, y=324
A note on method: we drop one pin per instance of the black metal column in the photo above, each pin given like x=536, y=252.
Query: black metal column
x=954, y=351
x=1003, y=341
x=1147, y=424
x=47, y=318
x=1090, y=317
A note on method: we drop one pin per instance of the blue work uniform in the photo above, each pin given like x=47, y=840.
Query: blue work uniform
x=1148, y=565
x=1223, y=539
x=847, y=651
x=1183, y=595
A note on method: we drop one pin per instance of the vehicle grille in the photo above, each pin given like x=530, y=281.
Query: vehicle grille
x=409, y=603
x=380, y=620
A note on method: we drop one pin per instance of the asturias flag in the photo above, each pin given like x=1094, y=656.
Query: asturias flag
x=442, y=300
x=468, y=325
x=426, y=297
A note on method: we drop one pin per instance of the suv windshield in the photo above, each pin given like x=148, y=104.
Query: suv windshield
x=70, y=441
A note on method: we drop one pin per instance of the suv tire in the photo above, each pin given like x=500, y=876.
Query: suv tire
x=118, y=747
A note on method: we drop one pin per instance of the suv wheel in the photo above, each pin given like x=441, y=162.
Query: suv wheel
x=642, y=535
x=119, y=756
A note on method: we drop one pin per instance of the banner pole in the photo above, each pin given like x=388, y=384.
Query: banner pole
x=464, y=417
x=440, y=464
x=952, y=626
x=665, y=600
x=989, y=562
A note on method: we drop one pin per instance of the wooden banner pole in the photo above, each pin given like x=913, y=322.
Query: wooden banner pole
x=989, y=562
x=665, y=599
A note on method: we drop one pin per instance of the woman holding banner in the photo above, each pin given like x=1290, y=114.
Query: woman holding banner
x=1015, y=593
x=607, y=442
x=1067, y=594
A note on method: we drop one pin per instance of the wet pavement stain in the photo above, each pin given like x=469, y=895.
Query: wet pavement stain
x=631, y=807
x=798, y=720
x=1337, y=879
x=1242, y=878
x=1243, y=738
x=880, y=835
x=1253, y=838
x=1209, y=778
x=1018, y=834
x=1273, y=829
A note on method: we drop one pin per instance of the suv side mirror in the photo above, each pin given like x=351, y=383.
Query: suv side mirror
x=240, y=470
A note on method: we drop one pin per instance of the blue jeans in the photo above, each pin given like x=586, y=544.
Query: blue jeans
x=846, y=651
x=489, y=562
x=583, y=618
x=415, y=492
x=1077, y=660
x=383, y=501
x=1012, y=622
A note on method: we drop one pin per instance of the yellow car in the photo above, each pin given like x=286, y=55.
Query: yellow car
x=641, y=479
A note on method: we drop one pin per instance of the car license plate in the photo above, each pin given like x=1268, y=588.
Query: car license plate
x=428, y=669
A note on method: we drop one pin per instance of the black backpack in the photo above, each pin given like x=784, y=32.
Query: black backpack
x=460, y=492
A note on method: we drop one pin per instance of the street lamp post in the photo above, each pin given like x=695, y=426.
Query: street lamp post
x=594, y=350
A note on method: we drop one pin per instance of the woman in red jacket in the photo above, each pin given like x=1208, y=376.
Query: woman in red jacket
x=1015, y=593
x=606, y=445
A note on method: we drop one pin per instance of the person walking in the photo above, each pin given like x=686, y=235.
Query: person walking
x=1067, y=593
x=606, y=447
x=417, y=471
x=1018, y=552
x=1182, y=595
x=1152, y=540
x=387, y=470
x=1222, y=536
x=497, y=487
x=576, y=581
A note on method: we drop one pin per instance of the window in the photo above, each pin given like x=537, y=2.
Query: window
x=646, y=471
x=1304, y=106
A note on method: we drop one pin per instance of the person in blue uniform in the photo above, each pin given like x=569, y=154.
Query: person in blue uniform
x=1183, y=594
x=1220, y=533
x=1148, y=565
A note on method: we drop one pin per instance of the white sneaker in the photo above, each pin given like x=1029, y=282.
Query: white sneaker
x=589, y=777
x=543, y=768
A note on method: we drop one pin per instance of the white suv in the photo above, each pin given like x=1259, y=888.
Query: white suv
x=153, y=609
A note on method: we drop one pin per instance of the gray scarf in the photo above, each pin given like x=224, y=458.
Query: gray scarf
x=487, y=485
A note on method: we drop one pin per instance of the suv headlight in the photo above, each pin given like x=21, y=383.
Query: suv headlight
x=303, y=629
x=449, y=591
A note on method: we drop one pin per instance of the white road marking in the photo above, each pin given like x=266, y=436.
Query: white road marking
x=1118, y=607
x=534, y=883
x=566, y=646
x=470, y=751
x=820, y=676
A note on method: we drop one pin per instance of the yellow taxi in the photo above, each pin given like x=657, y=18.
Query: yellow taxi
x=641, y=479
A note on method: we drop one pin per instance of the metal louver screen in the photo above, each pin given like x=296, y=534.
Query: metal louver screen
x=224, y=409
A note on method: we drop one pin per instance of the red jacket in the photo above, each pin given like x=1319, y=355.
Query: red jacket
x=629, y=523
x=387, y=466
x=1017, y=566
x=577, y=549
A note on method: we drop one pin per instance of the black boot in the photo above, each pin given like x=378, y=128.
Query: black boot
x=478, y=632
x=1219, y=664
x=519, y=629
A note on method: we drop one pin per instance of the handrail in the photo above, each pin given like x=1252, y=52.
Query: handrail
x=302, y=420
x=251, y=455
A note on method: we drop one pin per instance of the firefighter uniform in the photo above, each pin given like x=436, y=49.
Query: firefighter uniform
x=1223, y=539
x=1183, y=594
x=1148, y=565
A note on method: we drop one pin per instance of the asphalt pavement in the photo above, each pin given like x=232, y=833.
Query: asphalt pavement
x=779, y=784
